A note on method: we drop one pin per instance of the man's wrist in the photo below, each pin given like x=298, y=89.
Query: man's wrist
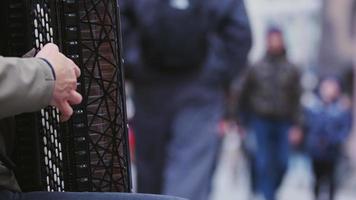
x=50, y=66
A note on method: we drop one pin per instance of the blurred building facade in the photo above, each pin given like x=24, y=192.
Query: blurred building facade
x=336, y=48
x=300, y=21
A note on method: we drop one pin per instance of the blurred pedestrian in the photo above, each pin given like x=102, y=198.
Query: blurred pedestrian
x=181, y=56
x=269, y=103
x=328, y=123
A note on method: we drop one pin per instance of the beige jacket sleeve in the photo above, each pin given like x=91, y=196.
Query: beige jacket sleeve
x=26, y=85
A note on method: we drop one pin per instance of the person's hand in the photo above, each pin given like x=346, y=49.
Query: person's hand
x=66, y=72
x=295, y=136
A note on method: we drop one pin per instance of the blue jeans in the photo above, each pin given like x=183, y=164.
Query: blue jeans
x=271, y=159
x=7, y=195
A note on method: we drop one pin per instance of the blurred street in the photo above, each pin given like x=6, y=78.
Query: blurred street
x=295, y=91
x=231, y=181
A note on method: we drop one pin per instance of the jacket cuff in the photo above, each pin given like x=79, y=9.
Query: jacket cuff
x=50, y=66
x=47, y=87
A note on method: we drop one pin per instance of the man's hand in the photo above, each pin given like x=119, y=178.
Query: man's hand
x=295, y=136
x=66, y=72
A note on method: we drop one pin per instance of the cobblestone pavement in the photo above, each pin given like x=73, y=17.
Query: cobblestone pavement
x=231, y=181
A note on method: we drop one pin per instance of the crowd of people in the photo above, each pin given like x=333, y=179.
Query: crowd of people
x=191, y=73
x=269, y=107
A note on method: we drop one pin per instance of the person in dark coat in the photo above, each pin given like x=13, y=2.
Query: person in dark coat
x=181, y=56
x=269, y=108
x=328, y=123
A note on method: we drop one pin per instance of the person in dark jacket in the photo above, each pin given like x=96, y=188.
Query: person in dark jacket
x=269, y=106
x=181, y=56
x=328, y=123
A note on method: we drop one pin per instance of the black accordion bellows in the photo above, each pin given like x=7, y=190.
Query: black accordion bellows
x=90, y=152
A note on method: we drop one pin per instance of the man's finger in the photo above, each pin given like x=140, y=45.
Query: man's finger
x=64, y=118
x=72, y=64
x=48, y=49
x=66, y=111
x=51, y=46
x=74, y=85
x=76, y=71
x=75, y=98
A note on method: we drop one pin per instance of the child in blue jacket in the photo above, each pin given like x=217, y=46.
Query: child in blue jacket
x=328, y=123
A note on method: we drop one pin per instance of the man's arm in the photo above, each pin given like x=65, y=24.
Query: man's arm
x=26, y=85
x=230, y=44
x=246, y=84
x=295, y=92
x=29, y=84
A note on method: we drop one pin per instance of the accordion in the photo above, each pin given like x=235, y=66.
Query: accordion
x=90, y=151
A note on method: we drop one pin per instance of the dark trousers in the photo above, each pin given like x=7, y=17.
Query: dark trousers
x=7, y=195
x=177, y=140
x=272, y=153
x=324, y=172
